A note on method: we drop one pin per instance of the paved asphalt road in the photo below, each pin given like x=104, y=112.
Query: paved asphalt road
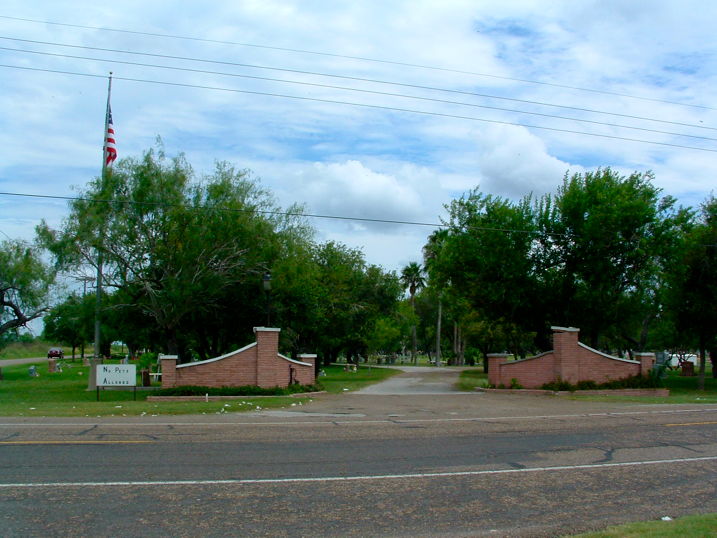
x=410, y=459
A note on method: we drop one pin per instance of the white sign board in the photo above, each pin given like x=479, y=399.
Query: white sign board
x=116, y=375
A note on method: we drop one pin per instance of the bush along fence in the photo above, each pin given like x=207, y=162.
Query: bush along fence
x=259, y=364
x=570, y=363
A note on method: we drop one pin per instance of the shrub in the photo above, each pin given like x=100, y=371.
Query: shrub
x=147, y=361
x=632, y=382
x=587, y=385
x=559, y=385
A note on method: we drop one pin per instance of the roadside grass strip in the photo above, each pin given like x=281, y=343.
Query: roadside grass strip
x=666, y=527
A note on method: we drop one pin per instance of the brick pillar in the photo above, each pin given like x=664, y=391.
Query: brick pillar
x=311, y=359
x=647, y=361
x=169, y=370
x=566, y=356
x=267, y=361
x=494, y=362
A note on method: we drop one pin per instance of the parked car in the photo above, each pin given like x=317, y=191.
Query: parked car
x=55, y=353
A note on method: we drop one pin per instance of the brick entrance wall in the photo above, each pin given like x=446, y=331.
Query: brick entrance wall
x=258, y=364
x=570, y=360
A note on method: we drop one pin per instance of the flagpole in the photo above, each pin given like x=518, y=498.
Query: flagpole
x=98, y=287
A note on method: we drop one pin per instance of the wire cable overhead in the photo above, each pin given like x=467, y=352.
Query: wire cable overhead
x=362, y=90
x=358, y=58
x=358, y=79
x=365, y=105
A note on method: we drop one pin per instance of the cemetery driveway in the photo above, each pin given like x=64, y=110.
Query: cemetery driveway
x=417, y=380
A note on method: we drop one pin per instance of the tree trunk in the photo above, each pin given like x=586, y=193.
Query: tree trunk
x=461, y=348
x=452, y=360
x=413, y=332
x=594, y=339
x=703, y=360
x=172, y=343
x=645, y=331
x=438, y=333
x=458, y=345
x=713, y=360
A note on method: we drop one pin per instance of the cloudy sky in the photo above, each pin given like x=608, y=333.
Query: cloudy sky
x=369, y=109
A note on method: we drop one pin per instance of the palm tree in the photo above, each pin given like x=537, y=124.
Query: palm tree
x=412, y=278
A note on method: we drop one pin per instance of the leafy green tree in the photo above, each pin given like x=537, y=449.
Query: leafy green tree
x=602, y=237
x=128, y=322
x=71, y=322
x=428, y=315
x=693, y=286
x=350, y=296
x=485, y=260
x=385, y=337
x=431, y=254
x=24, y=284
x=182, y=250
x=412, y=278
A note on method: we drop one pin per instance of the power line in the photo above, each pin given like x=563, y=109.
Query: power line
x=223, y=209
x=360, y=90
x=358, y=79
x=279, y=213
x=359, y=58
x=364, y=105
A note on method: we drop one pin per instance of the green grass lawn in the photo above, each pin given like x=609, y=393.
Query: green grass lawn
x=65, y=394
x=38, y=348
x=25, y=350
x=471, y=379
x=693, y=526
x=337, y=380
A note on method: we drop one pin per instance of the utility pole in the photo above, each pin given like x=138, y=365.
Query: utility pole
x=438, y=330
x=84, y=279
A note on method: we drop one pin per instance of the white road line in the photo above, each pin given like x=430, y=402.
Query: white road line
x=348, y=478
x=371, y=421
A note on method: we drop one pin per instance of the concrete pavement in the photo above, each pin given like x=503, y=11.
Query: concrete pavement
x=417, y=380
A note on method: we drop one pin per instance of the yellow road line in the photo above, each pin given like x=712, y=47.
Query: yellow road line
x=73, y=442
x=691, y=424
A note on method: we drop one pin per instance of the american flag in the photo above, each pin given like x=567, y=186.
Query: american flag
x=110, y=149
